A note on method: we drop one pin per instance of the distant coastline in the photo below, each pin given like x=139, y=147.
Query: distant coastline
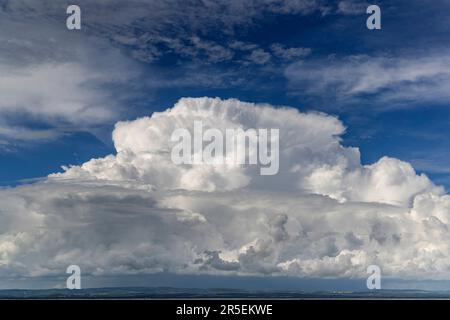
x=219, y=293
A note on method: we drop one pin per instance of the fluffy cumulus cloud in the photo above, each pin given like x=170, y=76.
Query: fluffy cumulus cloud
x=323, y=215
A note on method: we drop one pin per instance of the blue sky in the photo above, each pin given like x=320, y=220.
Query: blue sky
x=62, y=92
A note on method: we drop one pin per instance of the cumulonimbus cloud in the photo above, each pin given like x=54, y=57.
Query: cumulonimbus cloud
x=323, y=215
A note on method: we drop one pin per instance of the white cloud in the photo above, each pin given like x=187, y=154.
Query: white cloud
x=59, y=91
x=224, y=14
x=259, y=56
x=349, y=7
x=390, y=81
x=164, y=26
x=311, y=156
x=72, y=81
x=56, y=79
x=324, y=215
x=289, y=53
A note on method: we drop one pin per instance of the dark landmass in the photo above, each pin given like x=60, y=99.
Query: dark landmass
x=182, y=293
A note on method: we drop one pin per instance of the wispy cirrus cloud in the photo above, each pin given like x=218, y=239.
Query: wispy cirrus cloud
x=54, y=81
x=388, y=81
x=289, y=53
x=352, y=7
